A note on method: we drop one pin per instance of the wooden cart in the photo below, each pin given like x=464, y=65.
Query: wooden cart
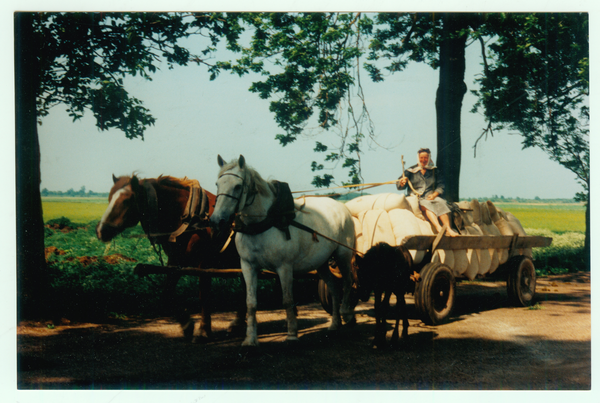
x=435, y=294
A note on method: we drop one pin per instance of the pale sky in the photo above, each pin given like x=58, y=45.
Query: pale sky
x=197, y=119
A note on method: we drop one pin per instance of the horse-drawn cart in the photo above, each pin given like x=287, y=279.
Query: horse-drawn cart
x=492, y=244
x=434, y=295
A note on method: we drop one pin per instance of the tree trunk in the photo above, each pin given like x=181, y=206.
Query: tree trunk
x=32, y=279
x=586, y=245
x=448, y=102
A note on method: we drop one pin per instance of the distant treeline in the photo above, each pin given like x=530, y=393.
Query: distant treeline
x=502, y=199
x=493, y=199
x=72, y=193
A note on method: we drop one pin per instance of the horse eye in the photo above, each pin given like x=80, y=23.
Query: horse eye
x=237, y=187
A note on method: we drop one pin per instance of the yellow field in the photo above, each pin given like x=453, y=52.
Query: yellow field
x=78, y=210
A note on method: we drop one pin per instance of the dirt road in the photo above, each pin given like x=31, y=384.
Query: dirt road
x=487, y=345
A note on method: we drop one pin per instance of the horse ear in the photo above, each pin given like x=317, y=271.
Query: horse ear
x=220, y=161
x=241, y=161
x=135, y=183
x=115, y=179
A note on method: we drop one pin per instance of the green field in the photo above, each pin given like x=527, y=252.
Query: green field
x=77, y=209
x=558, y=218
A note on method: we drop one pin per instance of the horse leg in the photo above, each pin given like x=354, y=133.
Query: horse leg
x=332, y=286
x=251, y=279
x=395, y=333
x=404, y=314
x=205, y=332
x=385, y=305
x=379, y=339
x=286, y=279
x=343, y=258
x=238, y=324
x=176, y=308
x=400, y=310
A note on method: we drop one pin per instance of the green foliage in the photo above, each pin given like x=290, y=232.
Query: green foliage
x=85, y=286
x=566, y=254
x=537, y=83
x=85, y=56
x=307, y=62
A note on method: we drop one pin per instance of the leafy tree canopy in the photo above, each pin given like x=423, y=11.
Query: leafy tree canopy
x=85, y=56
x=537, y=83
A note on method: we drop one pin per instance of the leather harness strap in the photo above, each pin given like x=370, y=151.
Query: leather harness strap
x=280, y=215
x=197, y=197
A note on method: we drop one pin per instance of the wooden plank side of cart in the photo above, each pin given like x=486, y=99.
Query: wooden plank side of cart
x=425, y=242
x=145, y=269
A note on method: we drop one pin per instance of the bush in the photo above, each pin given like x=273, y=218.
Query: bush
x=564, y=255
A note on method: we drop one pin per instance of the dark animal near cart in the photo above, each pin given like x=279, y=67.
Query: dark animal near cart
x=173, y=213
x=386, y=270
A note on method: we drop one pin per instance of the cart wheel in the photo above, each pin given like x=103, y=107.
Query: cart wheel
x=434, y=295
x=521, y=281
x=325, y=297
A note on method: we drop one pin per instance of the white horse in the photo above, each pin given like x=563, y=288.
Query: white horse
x=241, y=191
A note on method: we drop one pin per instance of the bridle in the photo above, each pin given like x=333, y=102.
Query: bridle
x=245, y=188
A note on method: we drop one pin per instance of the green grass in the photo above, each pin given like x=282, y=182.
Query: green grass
x=557, y=218
x=77, y=209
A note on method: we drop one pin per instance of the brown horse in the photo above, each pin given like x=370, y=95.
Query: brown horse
x=173, y=213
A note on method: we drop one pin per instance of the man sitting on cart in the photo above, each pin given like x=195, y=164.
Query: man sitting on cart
x=424, y=182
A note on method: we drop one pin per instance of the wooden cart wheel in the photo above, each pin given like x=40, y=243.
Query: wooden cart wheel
x=435, y=293
x=325, y=297
x=521, y=281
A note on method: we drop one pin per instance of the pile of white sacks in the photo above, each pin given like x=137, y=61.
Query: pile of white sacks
x=390, y=217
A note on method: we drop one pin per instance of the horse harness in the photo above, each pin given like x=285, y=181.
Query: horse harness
x=194, y=217
x=281, y=214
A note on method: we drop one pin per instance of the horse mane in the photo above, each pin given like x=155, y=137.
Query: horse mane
x=183, y=183
x=261, y=186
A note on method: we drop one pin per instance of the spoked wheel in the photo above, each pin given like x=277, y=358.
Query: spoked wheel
x=435, y=293
x=520, y=284
x=327, y=301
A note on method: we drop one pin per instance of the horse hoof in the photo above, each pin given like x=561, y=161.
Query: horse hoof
x=379, y=345
x=292, y=339
x=351, y=322
x=250, y=343
x=188, y=332
x=238, y=330
x=201, y=339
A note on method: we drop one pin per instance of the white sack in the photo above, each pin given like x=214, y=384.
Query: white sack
x=381, y=201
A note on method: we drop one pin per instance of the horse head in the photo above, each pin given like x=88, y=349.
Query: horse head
x=122, y=211
x=232, y=192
